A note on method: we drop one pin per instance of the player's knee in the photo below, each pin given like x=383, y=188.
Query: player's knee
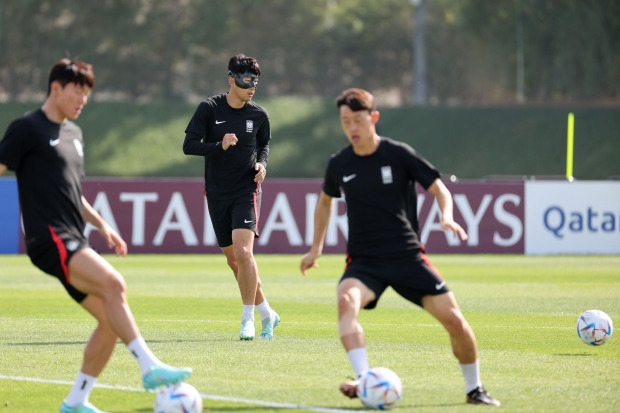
x=243, y=255
x=115, y=284
x=232, y=263
x=456, y=324
x=345, y=304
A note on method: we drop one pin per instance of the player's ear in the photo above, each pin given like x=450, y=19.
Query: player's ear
x=375, y=115
x=55, y=86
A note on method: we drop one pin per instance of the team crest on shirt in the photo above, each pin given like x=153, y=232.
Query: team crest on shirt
x=249, y=125
x=386, y=174
x=78, y=147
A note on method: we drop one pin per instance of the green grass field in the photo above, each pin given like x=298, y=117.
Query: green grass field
x=523, y=310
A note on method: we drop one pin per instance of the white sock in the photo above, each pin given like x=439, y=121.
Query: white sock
x=81, y=389
x=359, y=360
x=471, y=374
x=143, y=354
x=264, y=310
x=248, y=312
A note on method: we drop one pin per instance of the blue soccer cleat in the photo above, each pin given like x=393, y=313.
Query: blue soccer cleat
x=83, y=407
x=268, y=325
x=164, y=375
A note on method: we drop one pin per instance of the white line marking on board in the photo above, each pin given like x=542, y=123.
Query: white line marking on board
x=204, y=396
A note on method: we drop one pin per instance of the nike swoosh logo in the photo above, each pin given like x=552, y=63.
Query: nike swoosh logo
x=440, y=285
x=347, y=178
x=217, y=122
x=247, y=222
x=54, y=142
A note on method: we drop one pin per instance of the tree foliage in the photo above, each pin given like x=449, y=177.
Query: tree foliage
x=178, y=49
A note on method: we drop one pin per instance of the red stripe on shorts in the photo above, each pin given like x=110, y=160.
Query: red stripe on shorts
x=430, y=264
x=348, y=262
x=62, y=252
x=255, y=196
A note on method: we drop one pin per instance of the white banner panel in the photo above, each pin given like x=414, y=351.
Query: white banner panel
x=572, y=217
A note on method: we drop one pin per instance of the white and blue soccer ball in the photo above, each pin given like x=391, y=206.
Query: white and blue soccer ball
x=379, y=388
x=594, y=327
x=178, y=398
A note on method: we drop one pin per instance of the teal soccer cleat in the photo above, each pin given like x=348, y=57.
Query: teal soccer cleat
x=84, y=407
x=268, y=325
x=247, y=330
x=164, y=375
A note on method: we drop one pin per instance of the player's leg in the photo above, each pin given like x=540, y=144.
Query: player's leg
x=269, y=318
x=103, y=340
x=416, y=279
x=247, y=331
x=230, y=259
x=353, y=295
x=232, y=263
x=96, y=355
x=238, y=218
x=446, y=310
x=244, y=216
x=93, y=275
x=247, y=278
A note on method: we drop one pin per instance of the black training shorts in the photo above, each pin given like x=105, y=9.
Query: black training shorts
x=411, y=275
x=226, y=215
x=52, y=257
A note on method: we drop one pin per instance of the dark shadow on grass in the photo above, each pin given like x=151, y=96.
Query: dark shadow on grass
x=575, y=354
x=48, y=343
x=418, y=406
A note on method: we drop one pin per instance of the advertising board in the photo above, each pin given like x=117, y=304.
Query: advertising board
x=171, y=216
x=572, y=217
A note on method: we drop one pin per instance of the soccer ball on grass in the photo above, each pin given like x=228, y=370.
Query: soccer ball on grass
x=178, y=398
x=594, y=327
x=379, y=388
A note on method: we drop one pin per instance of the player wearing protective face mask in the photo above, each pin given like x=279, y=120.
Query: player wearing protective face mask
x=245, y=80
x=233, y=134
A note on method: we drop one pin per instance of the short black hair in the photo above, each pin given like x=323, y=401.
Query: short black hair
x=356, y=100
x=240, y=63
x=67, y=71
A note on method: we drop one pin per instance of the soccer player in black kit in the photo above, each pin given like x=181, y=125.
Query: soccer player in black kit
x=384, y=250
x=45, y=149
x=233, y=134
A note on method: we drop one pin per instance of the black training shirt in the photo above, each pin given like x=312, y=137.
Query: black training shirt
x=229, y=173
x=380, y=196
x=47, y=158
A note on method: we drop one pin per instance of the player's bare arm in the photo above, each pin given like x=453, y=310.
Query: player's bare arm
x=322, y=214
x=444, y=200
x=2, y=169
x=112, y=238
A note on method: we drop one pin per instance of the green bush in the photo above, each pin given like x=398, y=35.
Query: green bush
x=124, y=139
